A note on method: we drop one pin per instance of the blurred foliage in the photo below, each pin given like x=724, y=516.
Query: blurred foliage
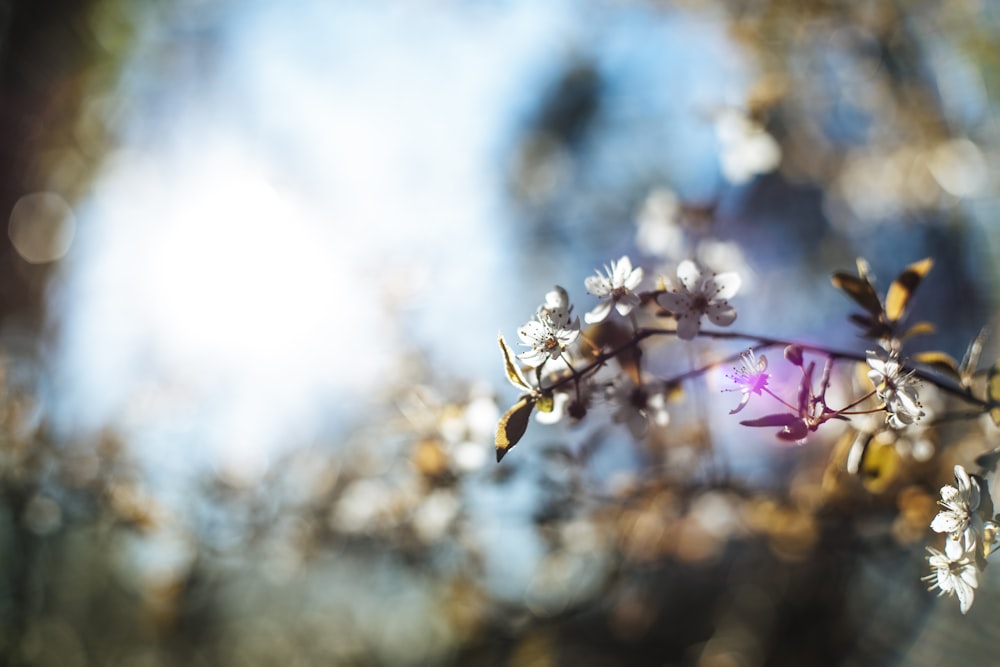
x=412, y=548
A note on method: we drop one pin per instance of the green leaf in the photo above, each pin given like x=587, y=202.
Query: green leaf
x=513, y=371
x=902, y=288
x=513, y=424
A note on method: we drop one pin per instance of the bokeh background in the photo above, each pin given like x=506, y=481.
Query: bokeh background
x=257, y=257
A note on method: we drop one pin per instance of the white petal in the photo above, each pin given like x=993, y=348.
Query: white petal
x=687, y=326
x=634, y=279
x=965, y=595
x=598, y=285
x=621, y=271
x=948, y=493
x=723, y=286
x=557, y=299
x=946, y=522
x=954, y=548
x=599, y=313
x=721, y=314
x=567, y=336
x=970, y=575
x=675, y=302
x=531, y=332
x=533, y=358
x=626, y=303
x=690, y=275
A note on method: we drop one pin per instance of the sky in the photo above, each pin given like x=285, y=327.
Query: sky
x=299, y=200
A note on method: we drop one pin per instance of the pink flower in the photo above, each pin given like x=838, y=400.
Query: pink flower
x=751, y=378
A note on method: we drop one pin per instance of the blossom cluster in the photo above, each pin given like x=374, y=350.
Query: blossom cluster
x=566, y=370
x=970, y=539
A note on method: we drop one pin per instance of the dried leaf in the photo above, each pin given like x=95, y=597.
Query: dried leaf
x=993, y=392
x=942, y=362
x=780, y=419
x=873, y=328
x=860, y=290
x=512, y=425
x=879, y=466
x=970, y=360
x=902, y=288
x=919, y=329
x=510, y=366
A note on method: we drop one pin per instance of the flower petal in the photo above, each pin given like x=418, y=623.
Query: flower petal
x=599, y=313
x=557, y=299
x=723, y=286
x=533, y=357
x=689, y=275
x=633, y=279
x=598, y=285
x=532, y=332
x=743, y=403
x=620, y=271
x=965, y=593
x=721, y=314
x=675, y=302
x=946, y=522
x=688, y=325
x=626, y=303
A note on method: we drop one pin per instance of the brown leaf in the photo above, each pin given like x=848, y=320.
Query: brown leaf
x=512, y=425
x=902, y=288
x=942, y=362
x=993, y=392
x=860, y=290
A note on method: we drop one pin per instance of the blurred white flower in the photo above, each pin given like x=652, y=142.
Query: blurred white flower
x=896, y=389
x=746, y=149
x=659, y=232
x=638, y=407
x=953, y=576
x=697, y=295
x=551, y=331
x=615, y=289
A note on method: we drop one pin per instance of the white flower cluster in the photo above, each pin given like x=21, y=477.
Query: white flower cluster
x=695, y=294
x=955, y=571
x=550, y=336
x=551, y=331
x=896, y=389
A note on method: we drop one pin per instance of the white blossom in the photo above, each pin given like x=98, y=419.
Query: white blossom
x=959, y=518
x=745, y=148
x=698, y=294
x=551, y=330
x=659, y=231
x=896, y=389
x=953, y=576
x=614, y=289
